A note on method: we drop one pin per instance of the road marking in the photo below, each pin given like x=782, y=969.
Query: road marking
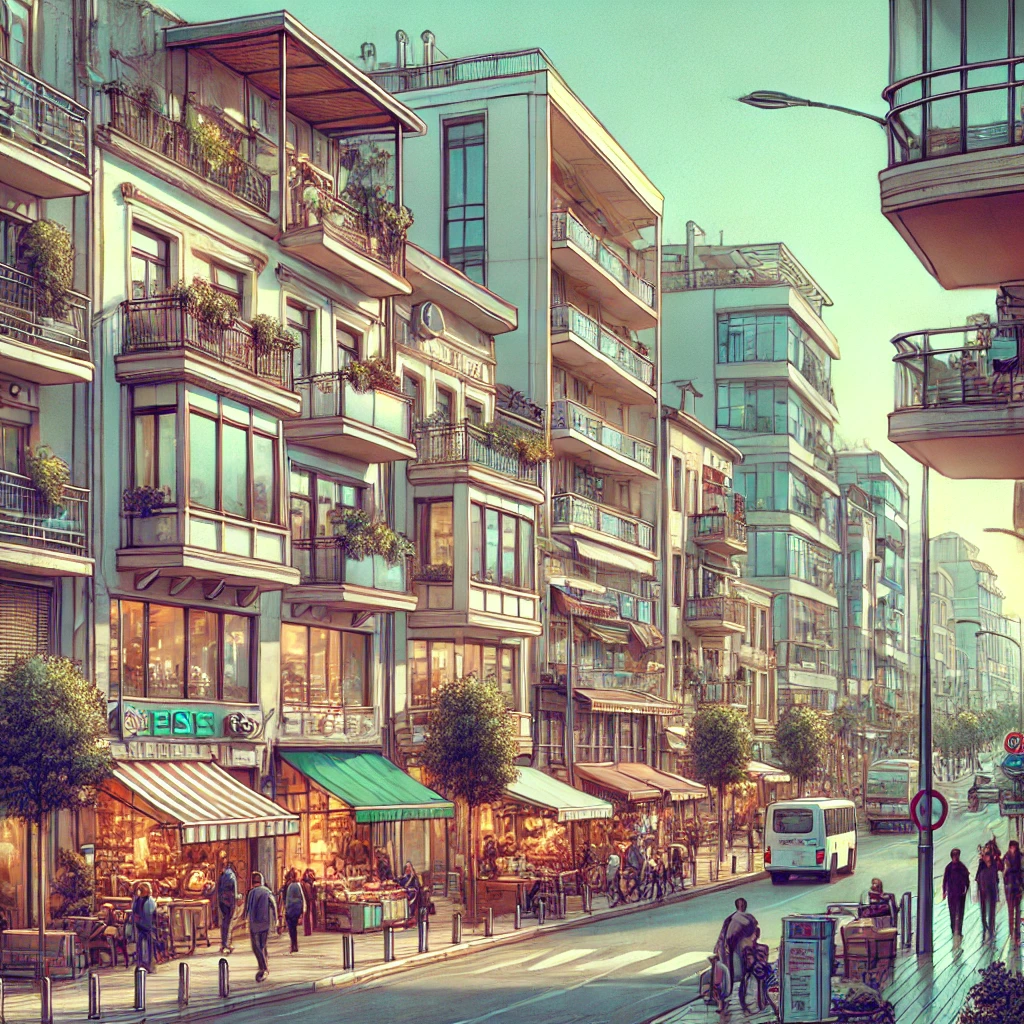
x=676, y=963
x=565, y=957
x=508, y=963
x=613, y=963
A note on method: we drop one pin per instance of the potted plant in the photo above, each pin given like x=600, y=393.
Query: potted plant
x=359, y=536
x=144, y=501
x=529, y=446
x=208, y=140
x=210, y=307
x=269, y=333
x=370, y=375
x=435, y=572
x=49, y=473
x=50, y=256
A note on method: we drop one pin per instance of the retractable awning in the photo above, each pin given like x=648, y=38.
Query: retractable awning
x=540, y=790
x=625, y=701
x=374, y=787
x=613, y=558
x=768, y=772
x=644, y=638
x=208, y=804
x=606, y=779
x=672, y=786
x=566, y=604
x=610, y=635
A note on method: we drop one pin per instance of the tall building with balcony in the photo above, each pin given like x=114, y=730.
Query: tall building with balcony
x=859, y=599
x=743, y=326
x=519, y=185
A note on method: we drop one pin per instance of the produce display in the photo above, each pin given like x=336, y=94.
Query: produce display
x=360, y=910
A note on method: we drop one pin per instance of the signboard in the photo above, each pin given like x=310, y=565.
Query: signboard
x=196, y=721
x=1013, y=765
x=1010, y=807
x=1014, y=742
x=938, y=804
x=805, y=968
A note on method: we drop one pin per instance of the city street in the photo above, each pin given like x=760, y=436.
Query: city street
x=621, y=971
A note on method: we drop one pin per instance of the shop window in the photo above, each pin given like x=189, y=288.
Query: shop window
x=151, y=263
x=494, y=662
x=324, y=667
x=501, y=548
x=167, y=652
x=431, y=664
x=437, y=532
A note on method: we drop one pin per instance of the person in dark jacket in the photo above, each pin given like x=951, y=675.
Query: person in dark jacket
x=294, y=906
x=956, y=883
x=227, y=896
x=987, y=880
x=261, y=913
x=309, y=890
x=1013, y=885
x=144, y=923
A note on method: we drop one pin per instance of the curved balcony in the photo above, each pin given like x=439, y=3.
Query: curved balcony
x=715, y=616
x=954, y=187
x=577, y=430
x=959, y=405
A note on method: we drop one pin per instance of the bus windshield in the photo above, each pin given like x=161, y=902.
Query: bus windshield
x=891, y=782
x=792, y=821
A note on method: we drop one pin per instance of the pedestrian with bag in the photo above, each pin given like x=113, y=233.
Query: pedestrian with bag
x=260, y=912
x=144, y=923
x=956, y=883
x=294, y=907
x=227, y=897
x=987, y=880
x=1013, y=886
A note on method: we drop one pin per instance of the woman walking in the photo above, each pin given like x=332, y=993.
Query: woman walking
x=987, y=880
x=309, y=921
x=144, y=923
x=1013, y=884
x=294, y=906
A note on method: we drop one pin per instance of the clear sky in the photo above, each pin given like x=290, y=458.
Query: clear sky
x=663, y=76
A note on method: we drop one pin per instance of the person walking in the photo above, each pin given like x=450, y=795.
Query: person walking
x=227, y=897
x=260, y=912
x=1013, y=886
x=987, y=880
x=956, y=882
x=294, y=907
x=144, y=923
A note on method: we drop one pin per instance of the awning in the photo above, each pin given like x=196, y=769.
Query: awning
x=370, y=784
x=643, y=638
x=672, y=786
x=626, y=701
x=566, y=604
x=768, y=772
x=208, y=804
x=676, y=736
x=540, y=790
x=609, y=635
x=607, y=779
x=613, y=558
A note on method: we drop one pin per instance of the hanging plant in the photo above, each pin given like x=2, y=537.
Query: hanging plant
x=143, y=501
x=360, y=536
x=49, y=473
x=209, y=306
x=370, y=190
x=370, y=375
x=50, y=255
x=530, y=446
x=269, y=333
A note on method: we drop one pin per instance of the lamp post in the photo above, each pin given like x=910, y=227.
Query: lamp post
x=1020, y=660
x=768, y=99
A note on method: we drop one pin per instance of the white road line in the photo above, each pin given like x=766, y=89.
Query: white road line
x=565, y=957
x=676, y=963
x=613, y=963
x=501, y=965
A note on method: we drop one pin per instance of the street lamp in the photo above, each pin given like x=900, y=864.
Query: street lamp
x=767, y=99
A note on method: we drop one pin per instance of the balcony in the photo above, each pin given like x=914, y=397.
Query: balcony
x=162, y=339
x=39, y=538
x=716, y=616
x=722, y=691
x=576, y=430
x=175, y=151
x=372, y=426
x=575, y=514
x=624, y=293
x=599, y=355
x=725, y=532
x=329, y=576
x=333, y=236
x=959, y=404
x=451, y=452
x=954, y=187
x=41, y=349
x=43, y=137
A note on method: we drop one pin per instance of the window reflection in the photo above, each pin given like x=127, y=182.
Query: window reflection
x=324, y=667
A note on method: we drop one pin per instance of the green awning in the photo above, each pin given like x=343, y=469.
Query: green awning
x=534, y=787
x=370, y=784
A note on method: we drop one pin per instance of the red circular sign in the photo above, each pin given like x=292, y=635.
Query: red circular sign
x=916, y=807
x=1014, y=742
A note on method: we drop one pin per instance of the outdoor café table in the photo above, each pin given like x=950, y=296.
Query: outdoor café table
x=504, y=892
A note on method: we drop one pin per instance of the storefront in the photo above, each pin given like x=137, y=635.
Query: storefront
x=769, y=783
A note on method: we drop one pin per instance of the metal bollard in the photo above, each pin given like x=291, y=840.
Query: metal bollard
x=734, y=859
x=541, y=907
x=184, y=987
x=140, y=988
x=348, y=952
x=95, y=1010
x=517, y=919
x=588, y=900
x=906, y=919
x=46, y=1002
x=223, y=978
x=389, y=944
x=423, y=933
x=489, y=923
x=456, y=929
x=693, y=874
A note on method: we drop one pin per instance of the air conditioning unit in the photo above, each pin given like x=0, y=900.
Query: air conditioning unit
x=428, y=320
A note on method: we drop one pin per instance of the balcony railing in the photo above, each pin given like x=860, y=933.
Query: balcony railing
x=722, y=692
x=717, y=609
x=725, y=525
x=169, y=138
x=589, y=331
x=323, y=560
x=957, y=366
x=19, y=316
x=464, y=442
x=326, y=395
x=568, y=415
x=44, y=120
x=574, y=510
x=28, y=518
x=167, y=323
x=566, y=228
x=633, y=607
x=464, y=69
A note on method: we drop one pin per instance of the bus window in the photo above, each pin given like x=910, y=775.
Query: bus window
x=792, y=821
x=888, y=783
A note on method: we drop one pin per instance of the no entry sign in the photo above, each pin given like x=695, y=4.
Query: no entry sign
x=937, y=801
x=1014, y=742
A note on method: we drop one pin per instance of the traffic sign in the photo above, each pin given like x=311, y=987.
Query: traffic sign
x=1014, y=742
x=1013, y=765
x=938, y=801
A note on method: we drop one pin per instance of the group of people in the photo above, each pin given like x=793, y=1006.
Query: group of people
x=956, y=884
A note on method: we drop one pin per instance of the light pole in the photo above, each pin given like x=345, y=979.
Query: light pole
x=1020, y=660
x=767, y=99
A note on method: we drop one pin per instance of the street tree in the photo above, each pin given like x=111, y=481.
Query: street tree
x=802, y=741
x=55, y=752
x=720, y=745
x=470, y=751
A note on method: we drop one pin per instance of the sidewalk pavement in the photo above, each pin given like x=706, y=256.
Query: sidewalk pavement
x=317, y=965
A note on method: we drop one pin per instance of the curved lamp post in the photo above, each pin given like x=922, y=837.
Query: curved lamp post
x=768, y=99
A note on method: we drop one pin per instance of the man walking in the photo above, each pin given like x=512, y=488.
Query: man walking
x=227, y=895
x=987, y=880
x=956, y=881
x=261, y=913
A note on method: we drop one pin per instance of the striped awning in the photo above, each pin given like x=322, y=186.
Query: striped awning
x=206, y=802
x=624, y=701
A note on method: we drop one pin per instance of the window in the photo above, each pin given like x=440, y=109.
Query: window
x=431, y=664
x=300, y=323
x=501, y=548
x=346, y=344
x=444, y=405
x=794, y=821
x=230, y=283
x=496, y=662
x=437, y=532
x=10, y=240
x=324, y=667
x=677, y=484
x=474, y=413
x=151, y=264
x=464, y=198
x=17, y=37
x=677, y=580
x=12, y=447
x=172, y=653
x=312, y=497
x=155, y=455
x=413, y=387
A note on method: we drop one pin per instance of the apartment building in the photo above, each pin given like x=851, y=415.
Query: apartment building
x=859, y=608
x=951, y=672
x=743, y=325
x=522, y=188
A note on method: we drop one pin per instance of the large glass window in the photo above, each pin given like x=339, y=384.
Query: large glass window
x=496, y=663
x=431, y=664
x=501, y=548
x=172, y=653
x=156, y=451
x=464, y=198
x=777, y=553
x=324, y=667
x=770, y=409
x=151, y=263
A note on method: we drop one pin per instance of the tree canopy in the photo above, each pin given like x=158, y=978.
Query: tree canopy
x=802, y=740
x=720, y=745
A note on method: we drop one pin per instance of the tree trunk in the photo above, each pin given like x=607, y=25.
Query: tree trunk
x=40, y=892
x=471, y=874
x=721, y=822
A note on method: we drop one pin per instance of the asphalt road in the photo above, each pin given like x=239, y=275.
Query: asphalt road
x=624, y=970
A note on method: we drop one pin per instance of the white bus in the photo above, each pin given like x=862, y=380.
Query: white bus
x=816, y=836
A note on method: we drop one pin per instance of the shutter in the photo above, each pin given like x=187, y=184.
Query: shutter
x=24, y=622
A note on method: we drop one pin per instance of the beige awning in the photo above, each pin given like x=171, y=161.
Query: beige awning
x=626, y=701
x=613, y=558
x=606, y=779
x=674, y=787
x=768, y=772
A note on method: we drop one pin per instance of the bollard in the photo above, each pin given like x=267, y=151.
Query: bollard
x=389, y=944
x=693, y=874
x=348, y=952
x=517, y=919
x=541, y=906
x=183, y=984
x=734, y=859
x=489, y=923
x=423, y=932
x=588, y=900
x=94, y=997
x=223, y=978
x=906, y=919
x=46, y=1007
x=140, y=988
x=457, y=929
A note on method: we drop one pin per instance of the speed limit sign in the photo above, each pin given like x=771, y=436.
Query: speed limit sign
x=1014, y=742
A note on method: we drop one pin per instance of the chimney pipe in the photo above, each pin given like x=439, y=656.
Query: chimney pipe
x=402, y=39
x=368, y=55
x=429, y=47
x=693, y=230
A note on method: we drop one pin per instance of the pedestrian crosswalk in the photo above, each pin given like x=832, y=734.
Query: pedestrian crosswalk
x=664, y=966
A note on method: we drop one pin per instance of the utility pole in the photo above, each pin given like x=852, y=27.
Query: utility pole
x=925, y=851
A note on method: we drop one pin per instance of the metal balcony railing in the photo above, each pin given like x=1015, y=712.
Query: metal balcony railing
x=26, y=517
x=575, y=510
x=327, y=395
x=323, y=560
x=569, y=318
x=568, y=415
x=167, y=322
x=717, y=609
x=728, y=524
x=465, y=442
x=19, y=316
x=465, y=69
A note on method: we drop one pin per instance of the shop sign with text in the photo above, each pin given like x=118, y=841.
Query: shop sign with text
x=188, y=722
